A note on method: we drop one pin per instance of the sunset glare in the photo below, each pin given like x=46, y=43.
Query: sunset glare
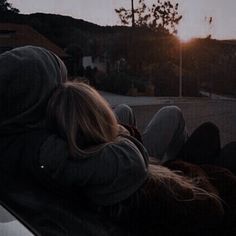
x=185, y=36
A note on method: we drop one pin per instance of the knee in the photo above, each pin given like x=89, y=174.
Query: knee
x=209, y=127
x=168, y=117
x=172, y=112
x=123, y=107
x=125, y=114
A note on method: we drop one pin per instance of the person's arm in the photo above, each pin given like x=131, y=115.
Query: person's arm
x=114, y=171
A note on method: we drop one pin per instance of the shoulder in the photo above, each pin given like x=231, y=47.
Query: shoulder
x=129, y=148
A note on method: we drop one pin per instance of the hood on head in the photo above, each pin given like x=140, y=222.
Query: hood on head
x=28, y=76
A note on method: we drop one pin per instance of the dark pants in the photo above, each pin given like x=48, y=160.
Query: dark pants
x=203, y=147
x=227, y=157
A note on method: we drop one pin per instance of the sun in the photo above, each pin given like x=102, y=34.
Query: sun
x=185, y=33
x=184, y=36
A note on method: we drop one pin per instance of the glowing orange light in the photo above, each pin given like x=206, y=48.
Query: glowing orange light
x=184, y=37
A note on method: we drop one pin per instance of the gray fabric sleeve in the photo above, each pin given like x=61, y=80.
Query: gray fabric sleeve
x=107, y=176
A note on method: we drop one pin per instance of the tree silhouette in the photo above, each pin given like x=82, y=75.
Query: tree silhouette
x=6, y=7
x=162, y=16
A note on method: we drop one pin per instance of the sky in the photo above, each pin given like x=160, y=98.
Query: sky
x=102, y=12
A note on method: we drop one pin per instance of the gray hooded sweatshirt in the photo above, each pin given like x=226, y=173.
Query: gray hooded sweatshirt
x=112, y=173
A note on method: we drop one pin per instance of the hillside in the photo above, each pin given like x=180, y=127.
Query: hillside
x=62, y=30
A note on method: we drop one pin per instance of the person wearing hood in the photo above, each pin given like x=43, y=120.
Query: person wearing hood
x=28, y=77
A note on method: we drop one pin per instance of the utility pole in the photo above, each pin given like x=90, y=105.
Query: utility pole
x=180, y=69
x=132, y=10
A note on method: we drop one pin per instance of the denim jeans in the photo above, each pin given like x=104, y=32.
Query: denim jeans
x=164, y=135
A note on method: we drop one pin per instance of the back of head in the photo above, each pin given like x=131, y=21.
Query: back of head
x=80, y=115
x=28, y=76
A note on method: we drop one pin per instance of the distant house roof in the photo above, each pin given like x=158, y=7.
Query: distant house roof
x=16, y=35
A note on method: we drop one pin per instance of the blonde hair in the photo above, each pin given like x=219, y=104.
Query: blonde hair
x=164, y=193
x=81, y=116
x=182, y=187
